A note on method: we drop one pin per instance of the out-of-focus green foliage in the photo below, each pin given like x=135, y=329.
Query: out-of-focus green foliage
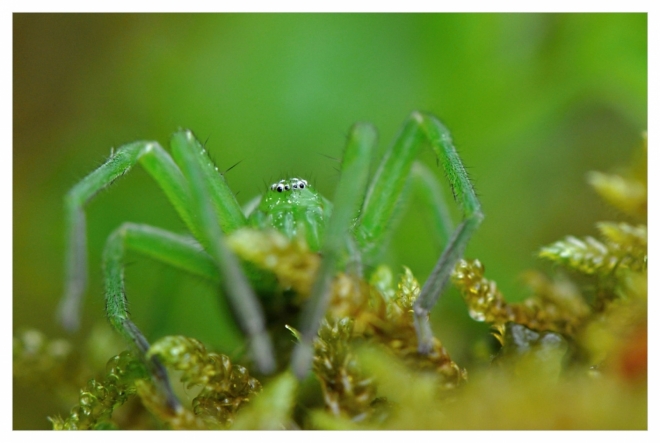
x=532, y=100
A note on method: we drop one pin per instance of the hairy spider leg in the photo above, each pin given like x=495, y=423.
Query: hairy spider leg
x=427, y=187
x=165, y=172
x=162, y=168
x=116, y=306
x=179, y=251
x=234, y=282
x=169, y=177
x=346, y=205
x=383, y=196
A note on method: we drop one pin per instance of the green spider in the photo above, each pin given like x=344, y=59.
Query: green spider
x=356, y=224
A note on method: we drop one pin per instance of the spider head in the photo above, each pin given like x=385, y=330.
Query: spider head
x=294, y=208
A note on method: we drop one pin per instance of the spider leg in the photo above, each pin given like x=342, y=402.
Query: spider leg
x=158, y=163
x=426, y=186
x=167, y=247
x=185, y=198
x=185, y=149
x=348, y=197
x=160, y=166
x=179, y=251
x=383, y=195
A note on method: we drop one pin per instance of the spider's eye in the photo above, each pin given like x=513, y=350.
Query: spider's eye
x=280, y=188
x=301, y=185
x=295, y=185
x=287, y=187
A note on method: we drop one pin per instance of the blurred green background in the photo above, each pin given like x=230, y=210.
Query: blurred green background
x=534, y=101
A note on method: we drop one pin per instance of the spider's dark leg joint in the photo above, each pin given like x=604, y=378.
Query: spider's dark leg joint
x=139, y=339
x=425, y=335
x=160, y=375
x=156, y=367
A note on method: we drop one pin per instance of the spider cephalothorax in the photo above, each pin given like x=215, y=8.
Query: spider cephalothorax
x=294, y=208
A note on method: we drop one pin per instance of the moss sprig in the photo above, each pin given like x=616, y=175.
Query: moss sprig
x=225, y=387
x=627, y=191
x=293, y=264
x=382, y=317
x=557, y=309
x=347, y=391
x=99, y=398
x=394, y=327
x=624, y=247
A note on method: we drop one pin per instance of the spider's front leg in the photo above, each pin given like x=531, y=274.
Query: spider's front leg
x=168, y=176
x=385, y=191
x=205, y=204
x=166, y=173
x=159, y=165
x=186, y=149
